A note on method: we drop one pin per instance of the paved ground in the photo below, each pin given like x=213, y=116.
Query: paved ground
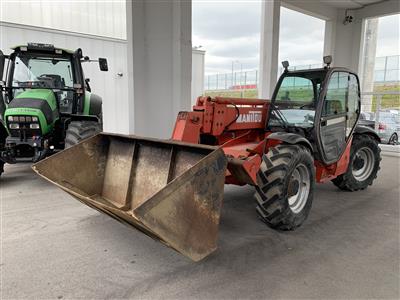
x=54, y=247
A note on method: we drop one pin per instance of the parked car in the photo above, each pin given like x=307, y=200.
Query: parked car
x=367, y=119
x=389, y=126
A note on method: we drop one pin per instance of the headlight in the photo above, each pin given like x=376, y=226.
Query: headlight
x=34, y=126
x=11, y=118
x=14, y=126
x=34, y=119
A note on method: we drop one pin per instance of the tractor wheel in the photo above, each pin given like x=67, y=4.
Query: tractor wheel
x=79, y=130
x=285, y=186
x=363, y=166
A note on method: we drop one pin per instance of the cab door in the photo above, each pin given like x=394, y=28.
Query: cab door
x=340, y=110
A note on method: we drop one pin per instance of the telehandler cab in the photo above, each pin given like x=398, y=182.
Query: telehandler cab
x=46, y=103
x=173, y=190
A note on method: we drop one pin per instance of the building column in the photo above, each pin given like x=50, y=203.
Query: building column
x=368, y=56
x=269, y=47
x=159, y=64
x=329, y=38
x=344, y=41
x=197, y=74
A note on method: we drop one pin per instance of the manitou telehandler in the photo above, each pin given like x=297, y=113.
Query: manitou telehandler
x=172, y=190
x=46, y=103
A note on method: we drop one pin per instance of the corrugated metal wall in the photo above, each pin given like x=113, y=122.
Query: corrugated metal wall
x=102, y=18
x=111, y=87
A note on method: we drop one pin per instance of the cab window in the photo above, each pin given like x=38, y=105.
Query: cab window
x=335, y=100
x=296, y=89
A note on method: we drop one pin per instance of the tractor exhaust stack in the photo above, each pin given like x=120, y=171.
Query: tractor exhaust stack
x=169, y=190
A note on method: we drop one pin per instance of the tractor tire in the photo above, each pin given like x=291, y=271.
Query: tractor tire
x=285, y=186
x=80, y=130
x=364, y=164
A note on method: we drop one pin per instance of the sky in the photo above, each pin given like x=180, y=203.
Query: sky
x=388, y=36
x=230, y=32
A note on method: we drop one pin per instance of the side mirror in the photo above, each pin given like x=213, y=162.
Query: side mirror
x=103, y=64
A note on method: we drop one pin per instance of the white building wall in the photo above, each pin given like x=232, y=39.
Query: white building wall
x=111, y=87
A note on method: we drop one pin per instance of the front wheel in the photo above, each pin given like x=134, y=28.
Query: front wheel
x=80, y=130
x=363, y=165
x=285, y=186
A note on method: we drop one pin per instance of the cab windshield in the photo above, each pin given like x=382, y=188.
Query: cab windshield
x=33, y=71
x=295, y=99
x=42, y=72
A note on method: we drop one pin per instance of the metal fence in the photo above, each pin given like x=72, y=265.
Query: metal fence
x=232, y=81
x=387, y=70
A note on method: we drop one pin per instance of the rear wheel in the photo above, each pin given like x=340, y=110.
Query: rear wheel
x=80, y=130
x=285, y=186
x=363, y=166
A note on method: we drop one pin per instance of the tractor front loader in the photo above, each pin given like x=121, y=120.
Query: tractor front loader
x=46, y=103
x=172, y=190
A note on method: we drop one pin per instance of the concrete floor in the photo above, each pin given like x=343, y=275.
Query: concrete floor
x=54, y=247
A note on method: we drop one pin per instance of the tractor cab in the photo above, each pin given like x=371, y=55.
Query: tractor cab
x=323, y=105
x=36, y=70
x=42, y=66
x=42, y=93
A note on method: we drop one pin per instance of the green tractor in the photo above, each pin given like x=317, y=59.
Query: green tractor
x=46, y=103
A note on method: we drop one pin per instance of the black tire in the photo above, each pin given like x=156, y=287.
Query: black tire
x=355, y=178
x=394, y=139
x=80, y=130
x=276, y=185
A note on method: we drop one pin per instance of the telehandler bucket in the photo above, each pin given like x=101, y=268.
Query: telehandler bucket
x=169, y=190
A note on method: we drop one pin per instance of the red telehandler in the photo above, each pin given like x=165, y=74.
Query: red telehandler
x=173, y=190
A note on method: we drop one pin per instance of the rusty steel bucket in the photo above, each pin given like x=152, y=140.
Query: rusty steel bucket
x=169, y=190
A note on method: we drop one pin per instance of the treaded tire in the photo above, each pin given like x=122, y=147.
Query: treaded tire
x=272, y=190
x=347, y=181
x=80, y=130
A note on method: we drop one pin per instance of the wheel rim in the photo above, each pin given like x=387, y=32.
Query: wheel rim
x=363, y=164
x=299, y=188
